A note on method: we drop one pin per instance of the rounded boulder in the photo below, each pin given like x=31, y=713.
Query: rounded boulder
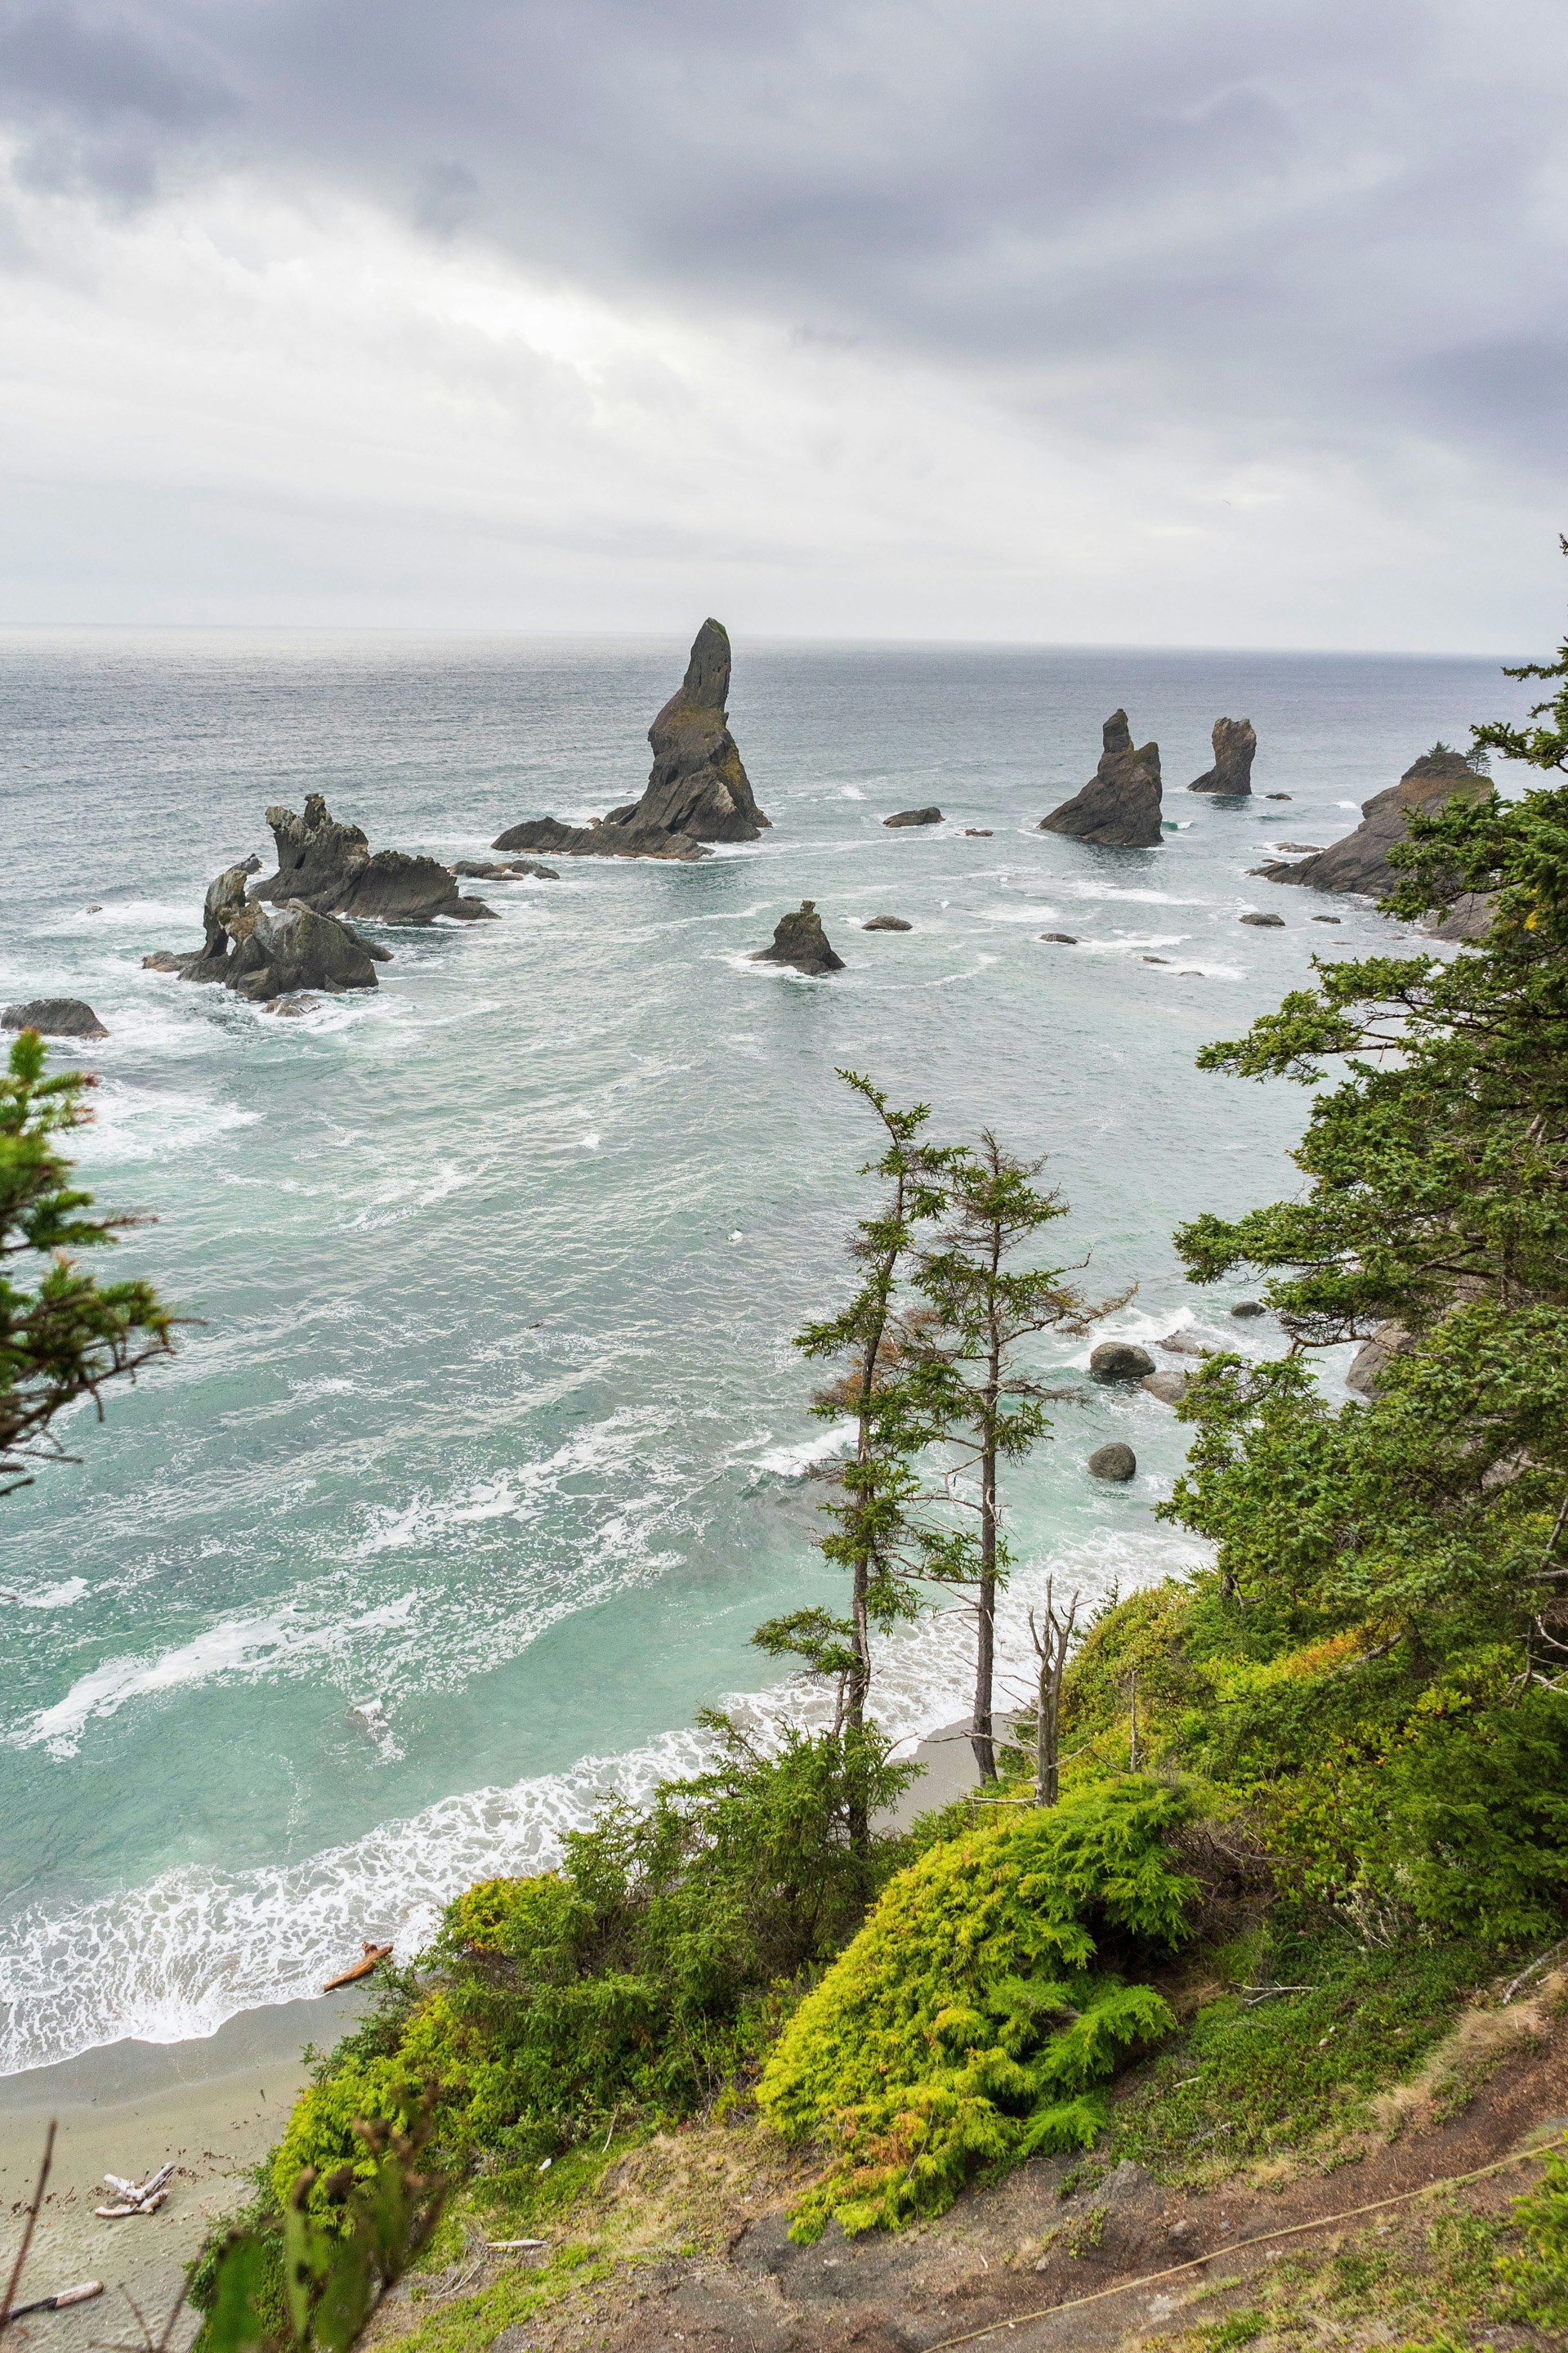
x=1113, y=1462
x=1117, y=1360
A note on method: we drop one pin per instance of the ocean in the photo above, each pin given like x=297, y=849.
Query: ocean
x=486, y=1447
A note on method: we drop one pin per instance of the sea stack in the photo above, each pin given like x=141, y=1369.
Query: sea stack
x=1358, y=861
x=1119, y=808
x=800, y=940
x=263, y=953
x=1234, y=749
x=697, y=790
x=328, y=867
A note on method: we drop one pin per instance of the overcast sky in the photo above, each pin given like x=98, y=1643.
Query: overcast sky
x=1203, y=322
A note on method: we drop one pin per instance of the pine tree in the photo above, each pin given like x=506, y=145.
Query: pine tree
x=69, y=1336
x=972, y=1392
x=869, y=1339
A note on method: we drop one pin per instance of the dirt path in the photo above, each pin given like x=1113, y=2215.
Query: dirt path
x=1003, y=2255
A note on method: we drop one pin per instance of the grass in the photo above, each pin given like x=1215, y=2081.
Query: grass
x=1296, y=2072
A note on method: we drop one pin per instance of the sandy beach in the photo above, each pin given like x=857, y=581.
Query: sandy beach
x=214, y=2108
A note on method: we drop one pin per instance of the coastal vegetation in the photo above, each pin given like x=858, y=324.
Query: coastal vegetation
x=64, y=1335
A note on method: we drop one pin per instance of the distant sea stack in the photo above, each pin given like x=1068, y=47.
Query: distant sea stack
x=1234, y=749
x=800, y=940
x=328, y=867
x=1359, y=863
x=698, y=791
x=1119, y=806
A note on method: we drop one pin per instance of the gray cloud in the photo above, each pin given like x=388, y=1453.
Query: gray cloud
x=1317, y=228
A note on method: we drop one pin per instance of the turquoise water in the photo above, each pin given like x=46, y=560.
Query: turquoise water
x=487, y=1425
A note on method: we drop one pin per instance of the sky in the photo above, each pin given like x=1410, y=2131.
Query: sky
x=1211, y=323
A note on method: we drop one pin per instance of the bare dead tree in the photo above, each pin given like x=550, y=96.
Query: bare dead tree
x=1052, y=1642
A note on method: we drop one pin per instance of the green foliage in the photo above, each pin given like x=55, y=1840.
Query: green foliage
x=310, y=2281
x=976, y=2015
x=630, y=1984
x=1543, y=747
x=1539, y=2276
x=870, y=1536
x=1249, y=2082
x=65, y=1339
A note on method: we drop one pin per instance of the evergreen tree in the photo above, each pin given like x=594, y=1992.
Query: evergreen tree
x=974, y=1393
x=64, y=1339
x=870, y=1536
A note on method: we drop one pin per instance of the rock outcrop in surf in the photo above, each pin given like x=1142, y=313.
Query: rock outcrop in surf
x=800, y=940
x=698, y=791
x=330, y=867
x=1358, y=861
x=1119, y=806
x=1234, y=749
x=55, y=1017
x=264, y=952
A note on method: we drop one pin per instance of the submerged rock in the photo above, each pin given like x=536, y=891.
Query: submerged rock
x=1118, y=1360
x=887, y=924
x=915, y=817
x=1358, y=861
x=479, y=870
x=1234, y=749
x=1064, y=939
x=1119, y=806
x=977, y=832
x=1113, y=1462
x=329, y=866
x=1169, y=1388
x=55, y=1017
x=800, y=940
x=696, y=792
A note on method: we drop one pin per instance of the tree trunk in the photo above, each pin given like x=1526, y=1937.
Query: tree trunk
x=982, y=1734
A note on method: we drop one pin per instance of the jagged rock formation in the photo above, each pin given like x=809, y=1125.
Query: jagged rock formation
x=1234, y=749
x=263, y=951
x=697, y=791
x=55, y=1017
x=328, y=867
x=1360, y=861
x=1119, y=806
x=800, y=940
x=915, y=817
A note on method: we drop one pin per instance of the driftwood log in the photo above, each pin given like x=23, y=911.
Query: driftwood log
x=373, y=1956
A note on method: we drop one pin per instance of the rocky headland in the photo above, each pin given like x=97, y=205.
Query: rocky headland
x=698, y=791
x=1119, y=806
x=1234, y=749
x=1358, y=861
x=799, y=940
x=329, y=866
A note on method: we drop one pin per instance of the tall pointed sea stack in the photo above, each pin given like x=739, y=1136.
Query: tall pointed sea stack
x=1234, y=749
x=698, y=791
x=1119, y=805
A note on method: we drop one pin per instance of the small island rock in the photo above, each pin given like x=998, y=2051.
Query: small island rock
x=1234, y=749
x=1119, y=808
x=264, y=953
x=1113, y=1462
x=697, y=790
x=55, y=1017
x=1268, y=922
x=800, y=940
x=1066, y=939
x=915, y=817
x=887, y=924
x=1118, y=1360
x=1246, y=1307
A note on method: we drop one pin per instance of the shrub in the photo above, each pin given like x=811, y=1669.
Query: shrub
x=973, y=2018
